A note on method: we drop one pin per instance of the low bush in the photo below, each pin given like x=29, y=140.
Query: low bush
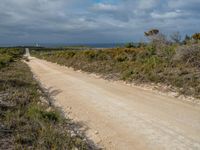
x=189, y=55
x=5, y=59
x=130, y=45
x=8, y=55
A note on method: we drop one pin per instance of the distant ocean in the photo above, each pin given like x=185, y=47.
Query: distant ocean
x=58, y=45
x=92, y=45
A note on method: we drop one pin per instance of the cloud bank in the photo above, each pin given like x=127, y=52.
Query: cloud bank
x=81, y=21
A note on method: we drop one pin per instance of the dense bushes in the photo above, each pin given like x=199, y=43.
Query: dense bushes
x=8, y=55
x=189, y=55
x=5, y=59
x=172, y=65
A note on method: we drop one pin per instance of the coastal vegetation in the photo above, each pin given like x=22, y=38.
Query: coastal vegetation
x=171, y=62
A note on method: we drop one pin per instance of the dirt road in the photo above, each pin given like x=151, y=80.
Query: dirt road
x=118, y=116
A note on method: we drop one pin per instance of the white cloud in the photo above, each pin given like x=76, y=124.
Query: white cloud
x=167, y=15
x=104, y=7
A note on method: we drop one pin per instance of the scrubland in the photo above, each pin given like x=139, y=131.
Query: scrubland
x=174, y=65
x=27, y=118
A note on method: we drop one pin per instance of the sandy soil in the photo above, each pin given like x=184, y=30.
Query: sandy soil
x=120, y=117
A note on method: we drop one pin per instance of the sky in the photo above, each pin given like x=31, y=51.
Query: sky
x=94, y=21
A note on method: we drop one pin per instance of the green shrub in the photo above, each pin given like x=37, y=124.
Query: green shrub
x=89, y=55
x=8, y=55
x=126, y=75
x=102, y=56
x=121, y=57
x=130, y=45
x=5, y=59
x=37, y=112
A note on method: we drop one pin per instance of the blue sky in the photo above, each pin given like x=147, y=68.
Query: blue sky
x=94, y=21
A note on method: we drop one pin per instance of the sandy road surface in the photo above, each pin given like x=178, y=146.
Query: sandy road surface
x=119, y=116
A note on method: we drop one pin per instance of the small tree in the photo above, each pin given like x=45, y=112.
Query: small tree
x=156, y=37
x=159, y=40
x=151, y=32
